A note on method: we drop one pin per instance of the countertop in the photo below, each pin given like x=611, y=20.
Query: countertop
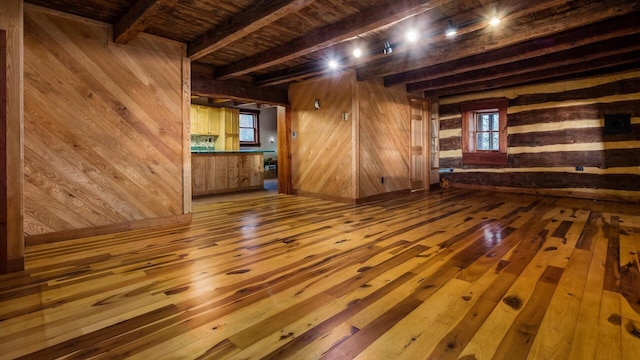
x=230, y=151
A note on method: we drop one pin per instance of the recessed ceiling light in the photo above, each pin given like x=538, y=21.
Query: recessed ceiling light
x=357, y=52
x=333, y=64
x=494, y=21
x=412, y=35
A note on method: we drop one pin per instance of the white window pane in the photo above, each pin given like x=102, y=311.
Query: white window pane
x=247, y=135
x=495, y=122
x=483, y=142
x=495, y=141
x=246, y=121
x=483, y=122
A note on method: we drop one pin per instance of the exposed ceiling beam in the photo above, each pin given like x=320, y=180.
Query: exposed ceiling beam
x=591, y=67
x=604, y=51
x=508, y=34
x=582, y=36
x=260, y=14
x=204, y=85
x=138, y=18
x=367, y=20
x=466, y=22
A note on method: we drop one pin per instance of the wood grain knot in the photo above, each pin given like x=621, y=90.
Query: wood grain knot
x=176, y=290
x=466, y=298
x=615, y=319
x=286, y=336
x=236, y=272
x=633, y=328
x=513, y=301
x=364, y=268
x=550, y=248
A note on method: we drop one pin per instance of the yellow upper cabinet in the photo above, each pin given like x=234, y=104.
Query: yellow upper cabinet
x=205, y=120
x=221, y=122
x=232, y=119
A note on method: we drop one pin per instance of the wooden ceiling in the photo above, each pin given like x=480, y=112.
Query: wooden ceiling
x=251, y=49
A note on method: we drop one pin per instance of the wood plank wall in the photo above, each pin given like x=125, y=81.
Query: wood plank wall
x=321, y=151
x=3, y=148
x=384, y=138
x=344, y=160
x=11, y=21
x=552, y=129
x=104, y=128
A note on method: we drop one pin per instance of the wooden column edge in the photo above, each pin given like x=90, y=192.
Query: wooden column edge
x=48, y=238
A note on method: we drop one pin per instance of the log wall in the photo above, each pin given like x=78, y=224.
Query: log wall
x=12, y=239
x=553, y=130
x=346, y=159
x=106, y=128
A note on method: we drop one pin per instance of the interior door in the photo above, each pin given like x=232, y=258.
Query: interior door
x=419, y=146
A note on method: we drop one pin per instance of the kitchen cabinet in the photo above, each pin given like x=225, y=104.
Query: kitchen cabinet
x=222, y=123
x=205, y=120
x=222, y=172
x=229, y=120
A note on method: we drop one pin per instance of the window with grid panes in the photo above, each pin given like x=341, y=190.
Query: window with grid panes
x=249, y=128
x=484, y=132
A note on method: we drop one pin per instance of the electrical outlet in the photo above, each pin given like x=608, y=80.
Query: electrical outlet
x=579, y=168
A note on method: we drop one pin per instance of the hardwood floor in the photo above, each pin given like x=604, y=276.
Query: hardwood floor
x=455, y=274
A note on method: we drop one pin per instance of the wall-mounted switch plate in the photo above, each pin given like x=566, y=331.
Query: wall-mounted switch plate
x=345, y=116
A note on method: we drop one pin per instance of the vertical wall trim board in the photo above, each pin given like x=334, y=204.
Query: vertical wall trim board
x=11, y=21
x=4, y=260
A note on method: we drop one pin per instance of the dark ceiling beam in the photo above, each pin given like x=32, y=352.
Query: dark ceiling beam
x=601, y=31
x=295, y=73
x=207, y=86
x=587, y=68
x=138, y=18
x=466, y=22
x=259, y=15
x=604, y=51
x=367, y=20
x=507, y=34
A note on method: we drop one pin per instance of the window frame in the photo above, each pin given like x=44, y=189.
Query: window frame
x=256, y=127
x=470, y=154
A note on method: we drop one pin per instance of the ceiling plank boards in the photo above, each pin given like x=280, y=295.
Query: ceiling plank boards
x=367, y=20
x=603, y=51
x=508, y=35
x=138, y=18
x=604, y=31
x=262, y=46
x=260, y=14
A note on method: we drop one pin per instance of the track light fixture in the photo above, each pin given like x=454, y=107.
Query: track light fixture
x=387, y=50
x=451, y=31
